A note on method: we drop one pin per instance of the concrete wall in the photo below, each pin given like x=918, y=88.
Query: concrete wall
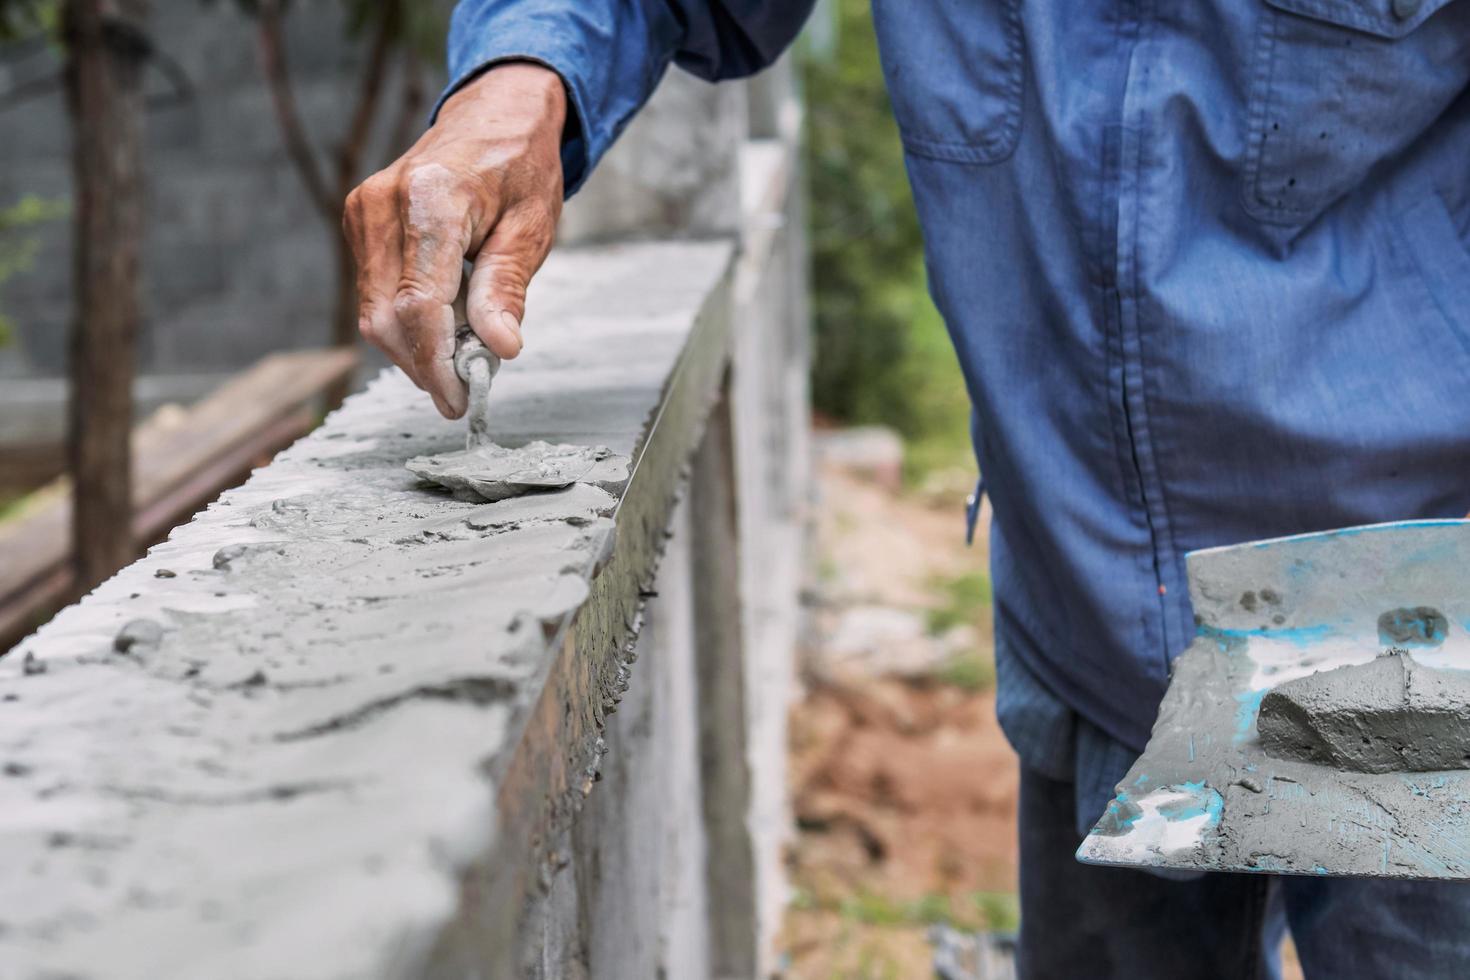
x=236, y=263
x=672, y=865
x=703, y=160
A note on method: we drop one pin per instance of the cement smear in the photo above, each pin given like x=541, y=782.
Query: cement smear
x=274, y=746
x=490, y=472
x=1389, y=715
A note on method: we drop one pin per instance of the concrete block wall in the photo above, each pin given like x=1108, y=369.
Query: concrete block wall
x=672, y=865
x=236, y=262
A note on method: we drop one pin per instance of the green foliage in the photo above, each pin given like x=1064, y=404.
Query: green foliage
x=18, y=251
x=11, y=505
x=22, y=19
x=977, y=911
x=873, y=909
x=970, y=672
x=1000, y=911
x=963, y=598
x=882, y=352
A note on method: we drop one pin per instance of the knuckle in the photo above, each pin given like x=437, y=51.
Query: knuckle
x=373, y=191
x=375, y=328
x=352, y=221
x=365, y=200
x=541, y=216
x=372, y=332
x=413, y=302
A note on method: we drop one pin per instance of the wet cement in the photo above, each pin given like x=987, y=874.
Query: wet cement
x=273, y=746
x=489, y=472
x=1252, y=763
x=1389, y=715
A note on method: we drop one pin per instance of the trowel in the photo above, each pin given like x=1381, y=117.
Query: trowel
x=486, y=471
x=476, y=366
x=1319, y=723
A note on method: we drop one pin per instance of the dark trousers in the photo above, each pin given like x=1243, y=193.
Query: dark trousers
x=1095, y=923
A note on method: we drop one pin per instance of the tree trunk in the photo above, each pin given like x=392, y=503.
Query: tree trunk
x=106, y=49
x=329, y=197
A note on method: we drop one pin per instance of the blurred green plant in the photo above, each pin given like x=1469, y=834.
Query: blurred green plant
x=18, y=250
x=977, y=911
x=963, y=601
x=963, y=598
x=972, y=673
x=883, y=355
x=23, y=19
x=1000, y=911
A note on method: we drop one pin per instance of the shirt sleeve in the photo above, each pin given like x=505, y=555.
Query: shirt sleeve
x=612, y=53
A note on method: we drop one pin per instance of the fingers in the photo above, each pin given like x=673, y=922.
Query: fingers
x=436, y=216
x=502, y=271
x=370, y=222
x=410, y=229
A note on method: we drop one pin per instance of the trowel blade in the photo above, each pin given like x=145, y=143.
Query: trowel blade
x=1205, y=796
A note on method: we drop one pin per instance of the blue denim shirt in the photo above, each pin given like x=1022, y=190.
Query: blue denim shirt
x=1206, y=266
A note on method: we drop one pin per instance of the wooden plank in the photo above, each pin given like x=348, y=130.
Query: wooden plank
x=27, y=466
x=171, y=448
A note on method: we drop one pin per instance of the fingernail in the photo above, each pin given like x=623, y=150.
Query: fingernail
x=510, y=323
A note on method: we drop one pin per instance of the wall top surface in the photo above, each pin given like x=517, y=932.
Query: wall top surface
x=268, y=748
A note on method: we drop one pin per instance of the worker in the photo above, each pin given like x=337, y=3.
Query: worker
x=1206, y=268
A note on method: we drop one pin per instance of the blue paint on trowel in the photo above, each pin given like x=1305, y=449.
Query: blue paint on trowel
x=1205, y=802
x=1274, y=610
x=1232, y=639
x=1248, y=703
x=1122, y=813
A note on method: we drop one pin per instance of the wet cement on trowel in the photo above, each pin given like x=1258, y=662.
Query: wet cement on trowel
x=1280, y=813
x=490, y=473
x=1297, y=735
x=1389, y=715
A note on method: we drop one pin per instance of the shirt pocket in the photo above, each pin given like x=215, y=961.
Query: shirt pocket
x=1338, y=86
x=954, y=70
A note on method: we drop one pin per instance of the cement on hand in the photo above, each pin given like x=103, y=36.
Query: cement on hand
x=1389, y=715
x=490, y=472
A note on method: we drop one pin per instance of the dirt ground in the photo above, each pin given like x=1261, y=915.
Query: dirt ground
x=903, y=786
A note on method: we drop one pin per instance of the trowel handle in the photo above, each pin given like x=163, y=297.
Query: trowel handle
x=476, y=366
x=470, y=350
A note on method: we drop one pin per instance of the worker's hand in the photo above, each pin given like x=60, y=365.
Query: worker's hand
x=483, y=184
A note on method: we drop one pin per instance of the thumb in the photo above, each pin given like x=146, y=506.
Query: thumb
x=502, y=271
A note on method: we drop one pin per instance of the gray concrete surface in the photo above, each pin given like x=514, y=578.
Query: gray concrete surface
x=328, y=751
x=364, y=741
